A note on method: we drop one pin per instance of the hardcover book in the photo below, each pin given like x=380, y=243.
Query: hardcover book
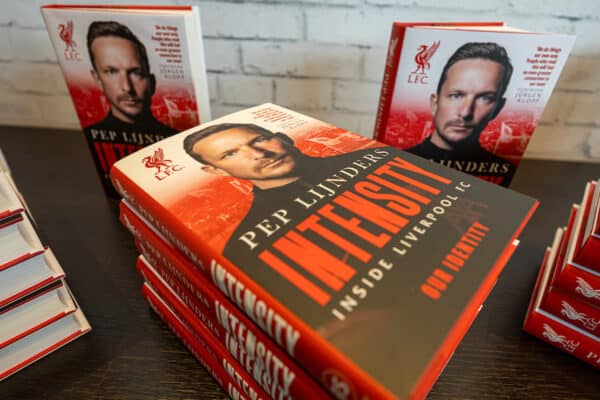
x=235, y=381
x=467, y=95
x=559, y=329
x=136, y=74
x=589, y=252
x=364, y=263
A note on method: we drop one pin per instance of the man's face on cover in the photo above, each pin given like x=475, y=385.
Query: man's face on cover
x=469, y=98
x=246, y=154
x=120, y=74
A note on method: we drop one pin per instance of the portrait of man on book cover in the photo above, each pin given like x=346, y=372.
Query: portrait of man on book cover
x=279, y=171
x=470, y=94
x=468, y=98
x=121, y=70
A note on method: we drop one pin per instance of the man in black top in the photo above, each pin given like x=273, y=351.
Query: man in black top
x=469, y=95
x=121, y=70
x=280, y=173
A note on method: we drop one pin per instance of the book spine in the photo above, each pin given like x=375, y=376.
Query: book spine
x=228, y=375
x=582, y=283
x=266, y=363
x=577, y=312
x=560, y=335
x=334, y=371
x=389, y=78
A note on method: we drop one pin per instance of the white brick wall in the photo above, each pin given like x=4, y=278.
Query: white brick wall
x=320, y=57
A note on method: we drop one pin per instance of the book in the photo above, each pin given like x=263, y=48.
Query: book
x=467, y=95
x=233, y=379
x=136, y=74
x=28, y=275
x=335, y=245
x=581, y=281
x=569, y=305
x=34, y=312
x=589, y=252
x=18, y=241
x=38, y=313
x=42, y=342
x=10, y=204
x=273, y=370
x=553, y=328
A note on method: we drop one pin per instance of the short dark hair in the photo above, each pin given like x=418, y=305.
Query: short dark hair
x=487, y=51
x=193, y=138
x=112, y=28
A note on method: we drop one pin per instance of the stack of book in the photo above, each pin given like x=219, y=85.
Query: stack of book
x=38, y=313
x=565, y=307
x=298, y=260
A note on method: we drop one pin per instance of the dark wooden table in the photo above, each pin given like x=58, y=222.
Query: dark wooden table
x=130, y=354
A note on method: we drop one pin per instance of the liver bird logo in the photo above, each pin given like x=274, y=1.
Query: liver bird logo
x=157, y=160
x=66, y=34
x=586, y=290
x=424, y=54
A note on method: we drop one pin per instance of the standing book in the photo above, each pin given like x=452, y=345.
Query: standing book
x=136, y=74
x=365, y=264
x=468, y=95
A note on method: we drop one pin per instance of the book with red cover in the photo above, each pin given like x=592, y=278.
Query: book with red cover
x=226, y=371
x=571, y=306
x=467, y=94
x=161, y=262
x=589, y=253
x=555, y=329
x=41, y=342
x=279, y=376
x=28, y=276
x=366, y=264
x=136, y=74
x=35, y=311
x=569, y=275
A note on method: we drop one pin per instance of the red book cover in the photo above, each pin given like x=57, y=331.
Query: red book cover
x=279, y=376
x=553, y=328
x=467, y=95
x=573, y=277
x=364, y=263
x=589, y=253
x=568, y=305
x=136, y=74
x=228, y=374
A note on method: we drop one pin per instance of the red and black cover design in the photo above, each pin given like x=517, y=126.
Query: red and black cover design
x=555, y=329
x=370, y=264
x=129, y=72
x=432, y=93
x=217, y=313
x=228, y=374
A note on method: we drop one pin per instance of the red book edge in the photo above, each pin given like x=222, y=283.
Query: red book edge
x=192, y=340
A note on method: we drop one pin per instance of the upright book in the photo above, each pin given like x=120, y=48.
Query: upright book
x=364, y=263
x=136, y=74
x=467, y=95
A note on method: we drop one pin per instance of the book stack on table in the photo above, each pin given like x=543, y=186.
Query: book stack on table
x=38, y=313
x=298, y=260
x=565, y=306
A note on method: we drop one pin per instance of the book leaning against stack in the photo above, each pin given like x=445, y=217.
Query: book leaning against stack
x=38, y=313
x=565, y=306
x=298, y=260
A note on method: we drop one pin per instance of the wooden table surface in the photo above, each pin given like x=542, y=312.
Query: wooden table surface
x=130, y=354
